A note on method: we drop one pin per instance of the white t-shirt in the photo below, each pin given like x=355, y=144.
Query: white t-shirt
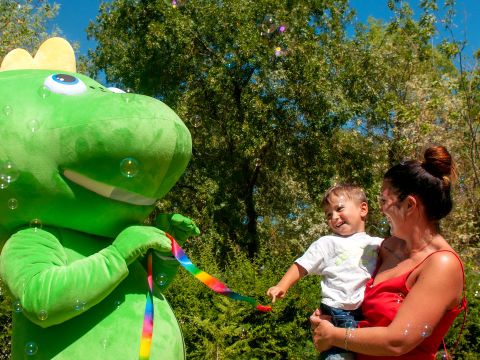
x=345, y=264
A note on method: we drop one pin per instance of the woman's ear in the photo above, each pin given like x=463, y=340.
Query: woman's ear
x=412, y=202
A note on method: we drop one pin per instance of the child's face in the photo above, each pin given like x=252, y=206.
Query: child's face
x=346, y=217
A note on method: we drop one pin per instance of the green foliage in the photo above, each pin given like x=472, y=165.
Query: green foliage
x=5, y=323
x=468, y=327
x=22, y=24
x=261, y=102
x=217, y=327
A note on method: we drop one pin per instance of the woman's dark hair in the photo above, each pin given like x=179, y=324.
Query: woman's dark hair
x=430, y=180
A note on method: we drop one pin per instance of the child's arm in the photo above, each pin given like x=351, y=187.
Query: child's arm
x=293, y=274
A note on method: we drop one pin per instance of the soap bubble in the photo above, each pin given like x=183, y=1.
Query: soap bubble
x=261, y=269
x=31, y=348
x=7, y=110
x=282, y=28
x=229, y=60
x=197, y=121
x=268, y=26
x=129, y=95
x=33, y=125
x=117, y=303
x=426, y=331
x=36, y=224
x=258, y=162
x=349, y=324
x=442, y=355
x=260, y=219
x=79, y=305
x=17, y=307
x=105, y=343
x=42, y=315
x=161, y=279
x=383, y=225
x=244, y=220
x=3, y=184
x=129, y=167
x=9, y=172
x=12, y=204
x=43, y=92
x=400, y=298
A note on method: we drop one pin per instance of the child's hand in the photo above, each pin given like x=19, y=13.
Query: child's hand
x=276, y=292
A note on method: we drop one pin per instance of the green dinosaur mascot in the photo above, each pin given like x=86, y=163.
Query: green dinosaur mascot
x=81, y=167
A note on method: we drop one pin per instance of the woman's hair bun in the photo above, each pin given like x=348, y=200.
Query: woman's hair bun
x=439, y=163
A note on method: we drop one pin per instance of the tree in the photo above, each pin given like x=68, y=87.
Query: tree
x=259, y=85
x=281, y=102
x=22, y=24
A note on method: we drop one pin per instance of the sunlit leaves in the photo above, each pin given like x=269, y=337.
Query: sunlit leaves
x=22, y=24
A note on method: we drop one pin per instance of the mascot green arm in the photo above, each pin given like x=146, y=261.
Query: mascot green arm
x=36, y=267
x=46, y=283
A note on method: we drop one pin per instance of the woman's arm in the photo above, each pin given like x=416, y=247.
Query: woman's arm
x=437, y=289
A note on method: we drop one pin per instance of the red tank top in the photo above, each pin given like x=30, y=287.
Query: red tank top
x=381, y=303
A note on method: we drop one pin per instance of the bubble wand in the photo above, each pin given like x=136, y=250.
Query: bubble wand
x=213, y=283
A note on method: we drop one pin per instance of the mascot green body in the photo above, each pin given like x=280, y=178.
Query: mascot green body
x=81, y=168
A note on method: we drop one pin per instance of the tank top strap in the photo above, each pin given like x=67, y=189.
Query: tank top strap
x=435, y=252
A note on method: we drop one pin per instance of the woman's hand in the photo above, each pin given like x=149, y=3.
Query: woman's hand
x=321, y=328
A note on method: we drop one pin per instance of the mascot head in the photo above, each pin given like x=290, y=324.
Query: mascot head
x=77, y=155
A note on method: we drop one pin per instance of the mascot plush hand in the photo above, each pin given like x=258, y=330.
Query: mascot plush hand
x=81, y=167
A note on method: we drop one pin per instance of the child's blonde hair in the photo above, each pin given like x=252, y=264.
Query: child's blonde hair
x=350, y=191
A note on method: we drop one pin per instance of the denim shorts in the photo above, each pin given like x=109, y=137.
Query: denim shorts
x=344, y=319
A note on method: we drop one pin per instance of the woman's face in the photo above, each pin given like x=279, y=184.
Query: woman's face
x=391, y=208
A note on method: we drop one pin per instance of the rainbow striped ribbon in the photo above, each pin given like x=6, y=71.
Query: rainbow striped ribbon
x=213, y=283
x=147, y=331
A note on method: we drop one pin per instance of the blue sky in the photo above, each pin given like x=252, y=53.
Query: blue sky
x=74, y=17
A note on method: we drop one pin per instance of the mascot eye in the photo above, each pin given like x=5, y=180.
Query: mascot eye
x=116, y=90
x=64, y=84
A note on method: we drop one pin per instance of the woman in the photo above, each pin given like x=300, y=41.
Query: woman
x=417, y=290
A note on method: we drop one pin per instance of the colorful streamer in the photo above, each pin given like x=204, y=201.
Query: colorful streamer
x=147, y=331
x=213, y=283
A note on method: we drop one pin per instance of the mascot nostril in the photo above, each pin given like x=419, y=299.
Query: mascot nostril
x=74, y=250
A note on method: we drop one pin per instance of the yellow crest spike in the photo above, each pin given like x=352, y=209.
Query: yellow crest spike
x=54, y=54
x=17, y=59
